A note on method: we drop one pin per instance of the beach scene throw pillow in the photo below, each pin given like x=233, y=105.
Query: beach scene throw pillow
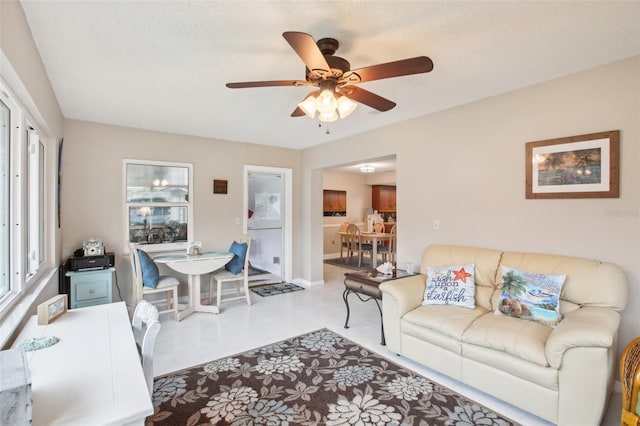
x=531, y=296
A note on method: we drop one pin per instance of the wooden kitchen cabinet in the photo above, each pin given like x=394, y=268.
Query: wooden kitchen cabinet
x=334, y=202
x=383, y=198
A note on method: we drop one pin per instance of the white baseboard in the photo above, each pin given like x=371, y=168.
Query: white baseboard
x=330, y=256
x=307, y=283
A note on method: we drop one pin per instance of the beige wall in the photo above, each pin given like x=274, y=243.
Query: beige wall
x=465, y=167
x=22, y=67
x=92, y=191
x=382, y=178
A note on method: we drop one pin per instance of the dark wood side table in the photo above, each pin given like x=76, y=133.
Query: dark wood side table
x=365, y=285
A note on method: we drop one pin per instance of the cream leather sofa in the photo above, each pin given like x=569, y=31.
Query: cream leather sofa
x=562, y=374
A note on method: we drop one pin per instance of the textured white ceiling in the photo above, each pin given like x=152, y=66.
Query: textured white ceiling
x=162, y=65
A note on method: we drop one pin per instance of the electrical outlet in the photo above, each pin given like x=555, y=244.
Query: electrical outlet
x=436, y=224
x=276, y=260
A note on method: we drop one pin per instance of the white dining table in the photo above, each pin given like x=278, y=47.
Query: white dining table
x=194, y=266
x=374, y=238
x=93, y=375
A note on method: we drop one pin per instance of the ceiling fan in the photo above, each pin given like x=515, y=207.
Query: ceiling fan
x=335, y=79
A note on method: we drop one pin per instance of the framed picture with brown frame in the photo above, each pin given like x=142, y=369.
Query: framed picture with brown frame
x=584, y=166
x=219, y=186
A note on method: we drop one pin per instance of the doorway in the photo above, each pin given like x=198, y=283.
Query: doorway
x=360, y=180
x=267, y=199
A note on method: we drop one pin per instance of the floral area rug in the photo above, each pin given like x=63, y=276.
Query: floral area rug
x=319, y=378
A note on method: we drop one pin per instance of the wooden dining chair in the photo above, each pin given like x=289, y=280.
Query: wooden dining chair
x=146, y=326
x=630, y=383
x=378, y=227
x=356, y=245
x=353, y=241
x=344, y=239
x=389, y=250
x=147, y=280
x=232, y=273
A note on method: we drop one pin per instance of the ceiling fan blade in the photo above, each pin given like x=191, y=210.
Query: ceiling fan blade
x=410, y=66
x=306, y=47
x=368, y=98
x=245, y=84
x=298, y=112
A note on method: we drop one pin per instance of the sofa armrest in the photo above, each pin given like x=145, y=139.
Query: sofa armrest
x=588, y=326
x=407, y=293
x=399, y=297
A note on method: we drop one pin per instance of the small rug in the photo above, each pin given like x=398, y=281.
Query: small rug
x=273, y=289
x=353, y=265
x=318, y=378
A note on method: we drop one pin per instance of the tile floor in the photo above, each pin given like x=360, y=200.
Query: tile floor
x=204, y=337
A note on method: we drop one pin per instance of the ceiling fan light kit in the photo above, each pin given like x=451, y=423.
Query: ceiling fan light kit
x=328, y=104
x=337, y=96
x=345, y=106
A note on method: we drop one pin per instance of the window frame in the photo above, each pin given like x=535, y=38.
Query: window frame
x=157, y=247
x=35, y=173
x=27, y=171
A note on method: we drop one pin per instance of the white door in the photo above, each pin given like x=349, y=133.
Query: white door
x=268, y=221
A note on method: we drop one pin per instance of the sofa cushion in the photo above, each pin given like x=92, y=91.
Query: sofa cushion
x=523, y=339
x=530, y=296
x=450, y=285
x=449, y=320
x=486, y=263
x=506, y=363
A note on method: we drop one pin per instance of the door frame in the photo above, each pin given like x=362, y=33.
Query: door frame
x=287, y=243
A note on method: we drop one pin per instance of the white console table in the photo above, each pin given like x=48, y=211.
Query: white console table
x=93, y=375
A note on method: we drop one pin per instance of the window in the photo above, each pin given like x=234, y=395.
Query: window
x=158, y=204
x=22, y=200
x=5, y=140
x=35, y=202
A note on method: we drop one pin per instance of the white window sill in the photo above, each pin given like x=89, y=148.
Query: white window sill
x=13, y=320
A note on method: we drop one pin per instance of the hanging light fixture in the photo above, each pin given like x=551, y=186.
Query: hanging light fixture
x=327, y=103
x=367, y=168
x=308, y=104
x=345, y=106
